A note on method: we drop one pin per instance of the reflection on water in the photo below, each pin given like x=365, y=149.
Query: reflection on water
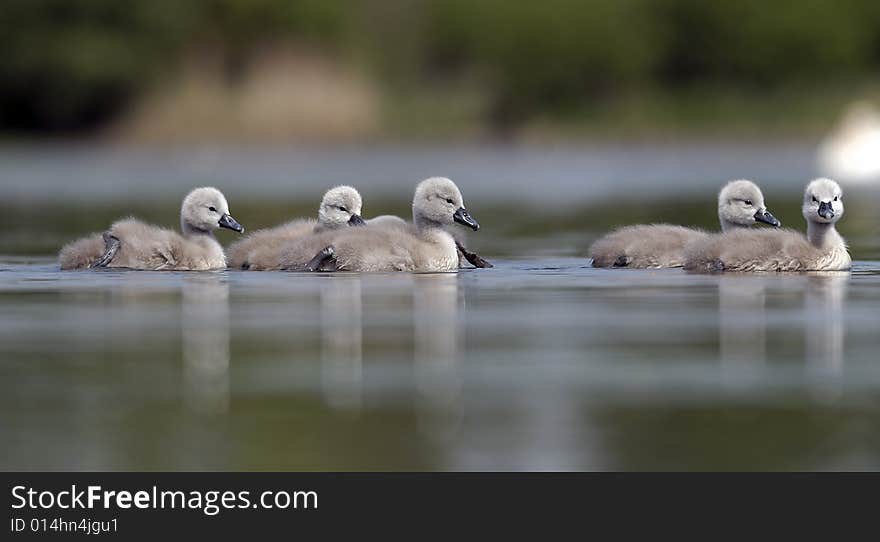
x=530, y=365
x=825, y=329
x=342, y=341
x=436, y=357
x=742, y=321
x=204, y=327
x=743, y=324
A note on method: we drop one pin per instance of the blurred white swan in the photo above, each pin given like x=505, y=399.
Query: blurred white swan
x=851, y=152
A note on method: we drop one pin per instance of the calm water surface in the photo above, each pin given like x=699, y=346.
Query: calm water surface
x=535, y=364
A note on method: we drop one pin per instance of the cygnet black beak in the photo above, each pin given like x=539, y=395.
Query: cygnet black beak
x=356, y=220
x=230, y=223
x=826, y=211
x=763, y=215
x=463, y=217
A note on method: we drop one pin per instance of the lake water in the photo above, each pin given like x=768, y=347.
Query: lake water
x=539, y=363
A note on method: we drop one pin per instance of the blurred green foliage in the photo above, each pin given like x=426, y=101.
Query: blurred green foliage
x=70, y=64
x=73, y=64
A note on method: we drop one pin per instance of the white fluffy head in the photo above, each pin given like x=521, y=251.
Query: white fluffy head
x=741, y=203
x=436, y=200
x=339, y=207
x=205, y=209
x=823, y=201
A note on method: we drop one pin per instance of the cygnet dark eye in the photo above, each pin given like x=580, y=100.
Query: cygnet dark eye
x=212, y=209
x=836, y=198
x=815, y=200
x=748, y=202
x=449, y=200
x=343, y=209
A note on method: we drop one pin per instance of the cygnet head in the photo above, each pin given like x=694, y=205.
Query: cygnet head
x=741, y=204
x=438, y=201
x=204, y=210
x=823, y=201
x=340, y=206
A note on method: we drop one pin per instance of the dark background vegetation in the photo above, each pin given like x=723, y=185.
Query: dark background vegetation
x=72, y=66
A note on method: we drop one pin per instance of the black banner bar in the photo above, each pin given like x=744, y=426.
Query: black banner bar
x=412, y=506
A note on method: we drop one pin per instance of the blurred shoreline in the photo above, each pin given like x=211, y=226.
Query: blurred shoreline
x=541, y=174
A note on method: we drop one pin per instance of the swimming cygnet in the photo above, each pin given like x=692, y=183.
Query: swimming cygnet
x=261, y=250
x=464, y=254
x=823, y=249
x=132, y=244
x=424, y=246
x=740, y=205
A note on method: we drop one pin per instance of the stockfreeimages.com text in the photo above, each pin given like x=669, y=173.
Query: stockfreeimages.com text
x=210, y=502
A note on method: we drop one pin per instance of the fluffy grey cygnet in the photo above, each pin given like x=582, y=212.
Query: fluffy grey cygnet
x=822, y=249
x=261, y=250
x=464, y=255
x=424, y=246
x=740, y=205
x=132, y=244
